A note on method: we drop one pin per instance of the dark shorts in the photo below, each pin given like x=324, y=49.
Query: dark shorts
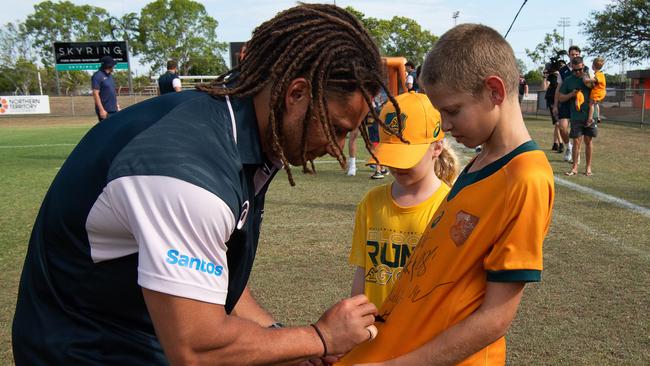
x=579, y=129
x=564, y=110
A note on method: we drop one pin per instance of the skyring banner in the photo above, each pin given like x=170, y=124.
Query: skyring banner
x=86, y=55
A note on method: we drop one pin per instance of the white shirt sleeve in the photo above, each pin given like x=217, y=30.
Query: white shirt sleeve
x=181, y=231
x=176, y=83
x=409, y=79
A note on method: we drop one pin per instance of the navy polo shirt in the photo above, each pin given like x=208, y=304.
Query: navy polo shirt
x=168, y=196
x=105, y=83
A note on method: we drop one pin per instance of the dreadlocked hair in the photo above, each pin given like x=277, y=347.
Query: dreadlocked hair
x=322, y=43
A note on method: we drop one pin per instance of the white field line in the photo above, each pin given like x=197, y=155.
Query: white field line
x=565, y=220
x=644, y=211
x=31, y=146
x=604, y=197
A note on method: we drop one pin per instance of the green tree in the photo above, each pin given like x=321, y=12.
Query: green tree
x=550, y=46
x=180, y=30
x=20, y=78
x=533, y=77
x=18, y=70
x=399, y=36
x=64, y=21
x=521, y=66
x=622, y=30
x=124, y=28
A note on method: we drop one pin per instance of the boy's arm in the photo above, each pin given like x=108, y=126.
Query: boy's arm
x=486, y=325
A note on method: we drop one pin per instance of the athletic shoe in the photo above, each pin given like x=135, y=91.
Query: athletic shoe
x=555, y=147
x=560, y=148
x=377, y=175
x=568, y=155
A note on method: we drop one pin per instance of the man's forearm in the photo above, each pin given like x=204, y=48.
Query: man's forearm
x=98, y=102
x=565, y=97
x=249, y=309
x=192, y=332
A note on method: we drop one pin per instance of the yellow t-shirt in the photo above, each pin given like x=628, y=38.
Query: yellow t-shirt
x=598, y=92
x=490, y=227
x=385, y=235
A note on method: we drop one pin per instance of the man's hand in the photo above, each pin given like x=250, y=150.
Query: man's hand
x=103, y=114
x=344, y=324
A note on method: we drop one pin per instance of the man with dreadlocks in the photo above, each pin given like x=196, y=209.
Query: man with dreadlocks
x=144, y=243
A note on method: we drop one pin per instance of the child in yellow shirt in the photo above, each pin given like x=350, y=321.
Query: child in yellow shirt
x=597, y=84
x=391, y=218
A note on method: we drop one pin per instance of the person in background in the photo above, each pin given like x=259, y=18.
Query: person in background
x=550, y=83
x=169, y=82
x=523, y=88
x=573, y=90
x=562, y=109
x=598, y=85
x=103, y=86
x=411, y=77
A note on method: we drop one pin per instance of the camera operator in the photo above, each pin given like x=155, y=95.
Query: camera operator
x=562, y=110
x=550, y=83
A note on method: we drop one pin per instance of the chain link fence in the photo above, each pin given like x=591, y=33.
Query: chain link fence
x=85, y=105
x=620, y=105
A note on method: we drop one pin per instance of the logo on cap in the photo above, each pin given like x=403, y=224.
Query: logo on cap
x=392, y=123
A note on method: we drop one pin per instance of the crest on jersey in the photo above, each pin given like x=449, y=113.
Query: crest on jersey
x=463, y=227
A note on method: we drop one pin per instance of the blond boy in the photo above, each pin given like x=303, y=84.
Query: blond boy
x=597, y=83
x=461, y=287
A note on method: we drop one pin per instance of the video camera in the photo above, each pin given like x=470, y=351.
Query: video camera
x=555, y=62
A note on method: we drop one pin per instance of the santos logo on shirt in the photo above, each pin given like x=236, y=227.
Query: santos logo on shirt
x=198, y=264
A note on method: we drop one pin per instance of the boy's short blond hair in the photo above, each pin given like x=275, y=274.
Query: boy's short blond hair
x=467, y=54
x=599, y=62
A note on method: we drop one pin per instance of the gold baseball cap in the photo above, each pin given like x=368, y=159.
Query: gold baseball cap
x=421, y=126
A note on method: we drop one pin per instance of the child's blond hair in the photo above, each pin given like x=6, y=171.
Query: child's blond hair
x=446, y=166
x=599, y=62
x=467, y=54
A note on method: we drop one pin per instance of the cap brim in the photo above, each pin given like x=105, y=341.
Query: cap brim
x=400, y=156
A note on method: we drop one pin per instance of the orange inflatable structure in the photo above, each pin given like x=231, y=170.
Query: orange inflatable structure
x=396, y=73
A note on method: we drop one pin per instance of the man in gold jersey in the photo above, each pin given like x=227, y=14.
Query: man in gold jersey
x=461, y=288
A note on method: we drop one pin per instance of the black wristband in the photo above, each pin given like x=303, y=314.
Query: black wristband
x=322, y=339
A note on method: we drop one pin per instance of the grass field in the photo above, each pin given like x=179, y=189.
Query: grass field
x=590, y=309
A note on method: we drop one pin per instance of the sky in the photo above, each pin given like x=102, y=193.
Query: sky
x=237, y=19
